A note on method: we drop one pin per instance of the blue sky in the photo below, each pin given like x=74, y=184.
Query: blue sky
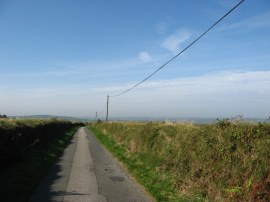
x=63, y=57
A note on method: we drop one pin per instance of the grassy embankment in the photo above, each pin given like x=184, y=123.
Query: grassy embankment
x=225, y=161
x=28, y=148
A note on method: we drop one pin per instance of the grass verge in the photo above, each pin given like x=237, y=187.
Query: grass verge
x=20, y=180
x=224, y=161
x=158, y=184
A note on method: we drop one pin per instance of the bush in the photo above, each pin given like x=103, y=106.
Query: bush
x=17, y=137
x=227, y=160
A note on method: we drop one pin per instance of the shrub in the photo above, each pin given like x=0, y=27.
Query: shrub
x=19, y=136
x=227, y=160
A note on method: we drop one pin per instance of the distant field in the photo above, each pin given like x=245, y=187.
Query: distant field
x=223, y=161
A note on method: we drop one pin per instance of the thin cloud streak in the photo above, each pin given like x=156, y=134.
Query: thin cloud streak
x=174, y=41
x=257, y=21
x=254, y=81
x=87, y=69
x=145, y=57
x=220, y=83
x=162, y=26
x=223, y=94
x=238, y=92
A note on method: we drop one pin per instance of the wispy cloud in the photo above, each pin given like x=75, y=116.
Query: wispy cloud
x=219, y=83
x=145, y=57
x=216, y=94
x=214, y=83
x=257, y=21
x=162, y=26
x=90, y=70
x=174, y=41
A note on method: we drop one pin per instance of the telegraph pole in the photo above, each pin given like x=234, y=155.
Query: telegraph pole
x=96, y=116
x=107, y=114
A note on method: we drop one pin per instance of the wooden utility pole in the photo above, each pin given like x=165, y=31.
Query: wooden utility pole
x=107, y=114
x=96, y=116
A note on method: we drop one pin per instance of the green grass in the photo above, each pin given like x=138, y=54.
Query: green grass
x=158, y=184
x=20, y=180
x=223, y=161
x=30, y=122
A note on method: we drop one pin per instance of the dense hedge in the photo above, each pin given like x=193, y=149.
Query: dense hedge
x=19, y=136
x=224, y=161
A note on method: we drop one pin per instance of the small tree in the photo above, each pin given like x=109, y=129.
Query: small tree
x=3, y=116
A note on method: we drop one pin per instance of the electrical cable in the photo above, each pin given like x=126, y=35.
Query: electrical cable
x=197, y=39
x=103, y=108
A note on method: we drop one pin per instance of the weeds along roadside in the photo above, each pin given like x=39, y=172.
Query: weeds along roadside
x=28, y=149
x=221, y=161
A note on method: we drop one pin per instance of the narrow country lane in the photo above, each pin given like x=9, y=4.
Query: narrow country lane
x=88, y=172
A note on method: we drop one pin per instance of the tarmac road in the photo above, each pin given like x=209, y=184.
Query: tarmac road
x=88, y=172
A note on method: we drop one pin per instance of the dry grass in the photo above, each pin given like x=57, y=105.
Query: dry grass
x=217, y=162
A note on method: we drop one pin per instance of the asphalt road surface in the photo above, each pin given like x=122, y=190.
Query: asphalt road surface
x=87, y=172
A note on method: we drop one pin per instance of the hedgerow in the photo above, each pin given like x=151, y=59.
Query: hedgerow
x=17, y=137
x=223, y=161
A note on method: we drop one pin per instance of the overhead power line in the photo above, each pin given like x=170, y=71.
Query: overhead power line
x=197, y=39
x=103, y=108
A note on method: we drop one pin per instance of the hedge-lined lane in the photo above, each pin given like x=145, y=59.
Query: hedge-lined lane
x=28, y=149
x=17, y=137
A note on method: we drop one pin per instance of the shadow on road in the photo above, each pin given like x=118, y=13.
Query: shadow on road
x=53, y=186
